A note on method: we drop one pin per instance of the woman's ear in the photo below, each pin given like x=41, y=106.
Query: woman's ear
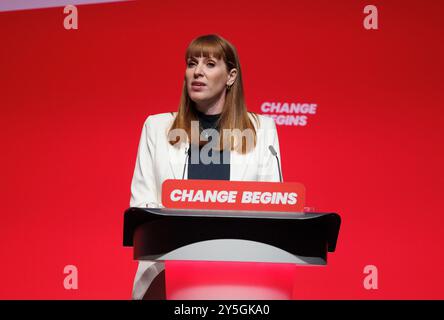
x=232, y=77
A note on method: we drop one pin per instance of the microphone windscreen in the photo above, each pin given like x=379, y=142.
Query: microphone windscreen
x=273, y=152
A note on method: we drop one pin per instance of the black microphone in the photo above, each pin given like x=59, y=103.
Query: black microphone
x=274, y=153
x=187, y=152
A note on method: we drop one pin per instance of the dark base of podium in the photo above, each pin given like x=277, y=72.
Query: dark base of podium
x=156, y=290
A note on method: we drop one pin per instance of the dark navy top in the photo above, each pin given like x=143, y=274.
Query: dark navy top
x=215, y=170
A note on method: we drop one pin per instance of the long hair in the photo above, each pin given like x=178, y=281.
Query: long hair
x=234, y=114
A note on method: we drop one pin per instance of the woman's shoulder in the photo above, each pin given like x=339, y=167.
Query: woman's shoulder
x=166, y=118
x=160, y=119
x=263, y=120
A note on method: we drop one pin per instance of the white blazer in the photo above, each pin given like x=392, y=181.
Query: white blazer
x=157, y=160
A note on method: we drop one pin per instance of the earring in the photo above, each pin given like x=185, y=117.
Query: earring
x=228, y=86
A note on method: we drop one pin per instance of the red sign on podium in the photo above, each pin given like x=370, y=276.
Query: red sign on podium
x=233, y=195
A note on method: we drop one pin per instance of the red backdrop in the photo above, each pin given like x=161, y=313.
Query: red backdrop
x=73, y=103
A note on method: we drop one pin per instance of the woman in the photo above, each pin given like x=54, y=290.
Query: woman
x=212, y=105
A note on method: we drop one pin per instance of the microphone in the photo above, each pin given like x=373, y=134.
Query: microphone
x=274, y=153
x=187, y=152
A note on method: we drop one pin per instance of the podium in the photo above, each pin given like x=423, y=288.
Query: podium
x=222, y=254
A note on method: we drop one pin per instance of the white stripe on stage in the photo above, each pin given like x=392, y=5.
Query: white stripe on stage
x=12, y=5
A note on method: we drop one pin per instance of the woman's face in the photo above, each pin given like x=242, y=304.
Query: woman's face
x=206, y=79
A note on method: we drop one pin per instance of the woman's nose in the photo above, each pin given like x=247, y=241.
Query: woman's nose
x=198, y=70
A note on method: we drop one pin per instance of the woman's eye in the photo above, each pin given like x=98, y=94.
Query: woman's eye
x=192, y=63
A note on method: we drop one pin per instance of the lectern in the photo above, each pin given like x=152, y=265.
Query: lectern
x=236, y=254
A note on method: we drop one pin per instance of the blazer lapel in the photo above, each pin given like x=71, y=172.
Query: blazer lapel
x=177, y=158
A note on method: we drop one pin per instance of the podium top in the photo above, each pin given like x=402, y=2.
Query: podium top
x=232, y=213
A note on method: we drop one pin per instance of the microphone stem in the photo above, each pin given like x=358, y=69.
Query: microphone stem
x=279, y=168
x=186, y=161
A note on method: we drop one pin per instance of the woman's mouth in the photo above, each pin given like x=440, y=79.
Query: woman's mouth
x=196, y=86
